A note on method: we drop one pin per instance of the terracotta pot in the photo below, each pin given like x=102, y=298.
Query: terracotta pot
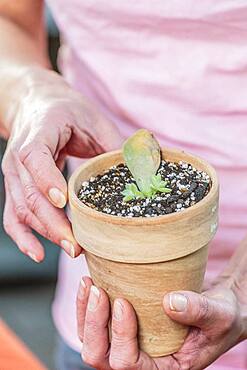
x=141, y=259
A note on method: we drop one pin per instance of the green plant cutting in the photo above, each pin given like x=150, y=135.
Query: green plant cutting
x=142, y=156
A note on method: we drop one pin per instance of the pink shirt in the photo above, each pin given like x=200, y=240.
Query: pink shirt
x=178, y=68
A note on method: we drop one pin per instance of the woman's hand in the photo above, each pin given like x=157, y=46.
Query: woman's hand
x=49, y=121
x=214, y=316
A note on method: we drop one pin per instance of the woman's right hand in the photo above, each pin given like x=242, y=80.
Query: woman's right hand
x=49, y=122
x=217, y=321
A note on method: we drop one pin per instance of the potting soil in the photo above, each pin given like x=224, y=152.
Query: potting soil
x=103, y=192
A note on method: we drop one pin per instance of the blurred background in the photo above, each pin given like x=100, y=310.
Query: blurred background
x=27, y=288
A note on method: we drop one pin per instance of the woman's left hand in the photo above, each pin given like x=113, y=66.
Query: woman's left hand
x=215, y=319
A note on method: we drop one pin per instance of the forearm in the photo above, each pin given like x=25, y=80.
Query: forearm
x=235, y=277
x=22, y=46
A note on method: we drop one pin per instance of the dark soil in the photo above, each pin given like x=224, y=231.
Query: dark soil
x=188, y=185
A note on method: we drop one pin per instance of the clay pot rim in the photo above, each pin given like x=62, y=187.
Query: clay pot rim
x=135, y=221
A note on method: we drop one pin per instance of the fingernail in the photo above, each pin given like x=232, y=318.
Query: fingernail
x=82, y=289
x=118, y=310
x=178, y=302
x=68, y=247
x=72, y=251
x=33, y=257
x=93, y=298
x=57, y=197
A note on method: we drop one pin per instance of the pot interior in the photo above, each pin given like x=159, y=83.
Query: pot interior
x=102, y=163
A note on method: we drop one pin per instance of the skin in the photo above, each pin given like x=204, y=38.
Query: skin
x=217, y=320
x=45, y=120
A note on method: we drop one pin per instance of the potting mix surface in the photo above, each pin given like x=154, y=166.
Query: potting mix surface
x=188, y=186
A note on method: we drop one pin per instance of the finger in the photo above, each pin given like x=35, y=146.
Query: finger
x=24, y=215
x=31, y=199
x=37, y=156
x=59, y=230
x=81, y=304
x=95, y=340
x=194, y=309
x=98, y=133
x=60, y=161
x=125, y=353
x=20, y=233
x=107, y=134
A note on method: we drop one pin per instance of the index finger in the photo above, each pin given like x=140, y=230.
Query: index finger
x=95, y=339
x=81, y=305
x=37, y=157
x=125, y=353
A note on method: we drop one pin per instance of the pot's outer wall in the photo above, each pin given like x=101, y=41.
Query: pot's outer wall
x=144, y=286
x=143, y=240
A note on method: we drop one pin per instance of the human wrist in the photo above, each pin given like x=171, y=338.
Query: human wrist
x=235, y=283
x=239, y=289
x=34, y=76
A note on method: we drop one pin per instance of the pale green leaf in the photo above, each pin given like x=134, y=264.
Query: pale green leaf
x=142, y=156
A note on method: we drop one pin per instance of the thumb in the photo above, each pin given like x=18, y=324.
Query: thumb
x=108, y=135
x=192, y=309
x=102, y=136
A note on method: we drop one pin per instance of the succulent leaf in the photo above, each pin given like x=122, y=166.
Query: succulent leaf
x=164, y=190
x=142, y=156
x=131, y=192
x=158, y=185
